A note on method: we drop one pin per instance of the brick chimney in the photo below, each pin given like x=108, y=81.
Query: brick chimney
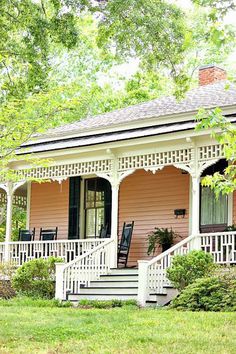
x=209, y=74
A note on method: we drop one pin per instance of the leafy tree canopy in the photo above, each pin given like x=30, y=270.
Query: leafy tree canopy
x=27, y=30
x=52, y=53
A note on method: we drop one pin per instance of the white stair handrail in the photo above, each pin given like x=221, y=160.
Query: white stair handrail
x=152, y=273
x=83, y=269
x=172, y=249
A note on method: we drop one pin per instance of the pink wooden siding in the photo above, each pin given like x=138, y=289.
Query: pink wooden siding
x=49, y=207
x=150, y=199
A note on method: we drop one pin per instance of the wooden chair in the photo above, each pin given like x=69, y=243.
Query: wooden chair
x=48, y=234
x=103, y=231
x=26, y=235
x=25, y=252
x=124, y=245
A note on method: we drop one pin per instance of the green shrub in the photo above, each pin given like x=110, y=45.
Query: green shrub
x=36, y=278
x=215, y=293
x=6, y=290
x=185, y=269
x=7, y=271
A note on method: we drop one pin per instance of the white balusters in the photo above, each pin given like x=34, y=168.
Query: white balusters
x=21, y=252
x=83, y=269
x=2, y=252
x=221, y=245
x=156, y=269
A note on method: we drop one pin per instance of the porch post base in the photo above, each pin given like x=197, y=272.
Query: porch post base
x=142, y=282
x=6, y=256
x=59, y=294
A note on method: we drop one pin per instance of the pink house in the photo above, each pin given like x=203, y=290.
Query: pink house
x=140, y=164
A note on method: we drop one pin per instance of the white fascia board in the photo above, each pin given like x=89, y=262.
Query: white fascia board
x=139, y=123
x=104, y=151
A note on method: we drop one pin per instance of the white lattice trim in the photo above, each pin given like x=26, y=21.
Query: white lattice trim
x=166, y=158
x=210, y=152
x=69, y=170
x=18, y=200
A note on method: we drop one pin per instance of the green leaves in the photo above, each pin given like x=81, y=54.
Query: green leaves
x=215, y=293
x=36, y=278
x=225, y=133
x=27, y=30
x=154, y=31
x=185, y=269
x=22, y=119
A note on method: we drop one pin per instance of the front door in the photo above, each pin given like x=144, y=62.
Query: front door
x=97, y=205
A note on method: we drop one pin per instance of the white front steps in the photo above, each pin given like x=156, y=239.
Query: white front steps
x=119, y=284
x=162, y=299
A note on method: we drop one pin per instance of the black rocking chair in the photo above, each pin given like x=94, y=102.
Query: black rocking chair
x=104, y=231
x=124, y=245
x=26, y=235
x=48, y=234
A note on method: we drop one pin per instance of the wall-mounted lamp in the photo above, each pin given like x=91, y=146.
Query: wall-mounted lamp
x=179, y=212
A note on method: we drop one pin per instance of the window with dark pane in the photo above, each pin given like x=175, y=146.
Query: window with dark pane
x=214, y=211
x=97, y=206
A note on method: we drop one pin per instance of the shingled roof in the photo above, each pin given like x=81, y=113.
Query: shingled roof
x=83, y=132
x=209, y=96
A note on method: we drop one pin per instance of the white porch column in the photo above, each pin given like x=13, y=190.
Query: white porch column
x=115, y=178
x=10, y=193
x=28, y=205
x=196, y=209
x=114, y=222
x=195, y=204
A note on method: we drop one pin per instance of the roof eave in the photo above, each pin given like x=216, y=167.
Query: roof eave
x=138, y=123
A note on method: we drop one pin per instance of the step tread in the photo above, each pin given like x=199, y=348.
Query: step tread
x=113, y=287
x=168, y=287
x=114, y=281
x=130, y=268
x=95, y=294
x=119, y=275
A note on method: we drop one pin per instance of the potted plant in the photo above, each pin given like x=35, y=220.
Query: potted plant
x=231, y=228
x=163, y=237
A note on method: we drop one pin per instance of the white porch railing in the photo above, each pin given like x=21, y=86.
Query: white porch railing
x=152, y=274
x=82, y=270
x=21, y=252
x=2, y=251
x=222, y=245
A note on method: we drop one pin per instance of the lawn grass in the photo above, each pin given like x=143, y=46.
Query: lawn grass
x=30, y=327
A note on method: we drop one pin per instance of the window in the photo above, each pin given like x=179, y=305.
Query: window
x=213, y=211
x=97, y=206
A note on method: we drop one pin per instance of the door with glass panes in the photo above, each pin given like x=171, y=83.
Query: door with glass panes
x=214, y=211
x=97, y=206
